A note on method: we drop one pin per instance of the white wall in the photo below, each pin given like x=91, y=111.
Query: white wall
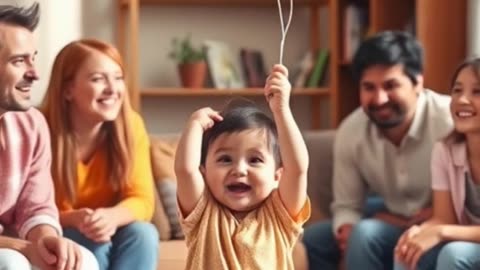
x=60, y=23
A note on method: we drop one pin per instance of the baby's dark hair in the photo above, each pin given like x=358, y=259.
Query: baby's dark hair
x=237, y=118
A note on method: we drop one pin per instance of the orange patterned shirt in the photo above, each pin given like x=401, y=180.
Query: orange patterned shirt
x=263, y=239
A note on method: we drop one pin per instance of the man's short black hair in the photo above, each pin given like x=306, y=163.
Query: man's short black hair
x=26, y=17
x=389, y=48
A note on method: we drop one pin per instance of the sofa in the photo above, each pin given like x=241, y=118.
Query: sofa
x=173, y=251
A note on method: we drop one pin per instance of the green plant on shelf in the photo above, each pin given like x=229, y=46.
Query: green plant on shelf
x=184, y=52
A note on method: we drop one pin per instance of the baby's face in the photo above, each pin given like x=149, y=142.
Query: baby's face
x=240, y=169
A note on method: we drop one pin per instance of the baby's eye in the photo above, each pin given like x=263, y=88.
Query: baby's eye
x=224, y=159
x=255, y=160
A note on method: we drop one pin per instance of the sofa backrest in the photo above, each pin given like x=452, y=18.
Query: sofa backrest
x=320, y=150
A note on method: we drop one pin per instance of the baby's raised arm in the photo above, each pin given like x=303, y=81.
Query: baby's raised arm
x=187, y=160
x=293, y=183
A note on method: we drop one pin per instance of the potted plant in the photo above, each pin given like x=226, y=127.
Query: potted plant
x=191, y=62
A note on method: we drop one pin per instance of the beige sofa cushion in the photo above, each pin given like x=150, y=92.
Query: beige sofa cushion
x=163, y=157
x=320, y=150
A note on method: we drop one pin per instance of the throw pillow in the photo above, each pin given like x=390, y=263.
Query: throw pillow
x=163, y=157
x=160, y=219
x=168, y=193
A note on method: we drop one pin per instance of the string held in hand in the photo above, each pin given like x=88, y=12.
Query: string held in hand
x=284, y=28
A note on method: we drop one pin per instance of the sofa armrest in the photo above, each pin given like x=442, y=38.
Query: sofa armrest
x=320, y=150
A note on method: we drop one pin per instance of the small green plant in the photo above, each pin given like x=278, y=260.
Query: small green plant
x=184, y=52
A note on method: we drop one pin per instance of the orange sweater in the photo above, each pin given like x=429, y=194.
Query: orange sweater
x=94, y=191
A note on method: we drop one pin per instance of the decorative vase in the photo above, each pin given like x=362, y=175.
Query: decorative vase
x=193, y=75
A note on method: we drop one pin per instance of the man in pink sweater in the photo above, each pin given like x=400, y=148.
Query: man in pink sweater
x=30, y=233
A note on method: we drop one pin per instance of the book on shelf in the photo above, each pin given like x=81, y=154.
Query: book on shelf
x=319, y=69
x=223, y=65
x=302, y=70
x=253, y=67
x=354, y=29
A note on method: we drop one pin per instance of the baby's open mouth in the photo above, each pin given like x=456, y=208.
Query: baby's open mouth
x=238, y=187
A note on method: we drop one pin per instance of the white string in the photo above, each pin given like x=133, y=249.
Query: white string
x=284, y=29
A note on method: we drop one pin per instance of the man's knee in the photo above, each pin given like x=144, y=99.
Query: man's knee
x=318, y=234
x=13, y=260
x=365, y=232
x=321, y=247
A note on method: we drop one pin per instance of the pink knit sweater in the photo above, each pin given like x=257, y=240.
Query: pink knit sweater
x=26, y=187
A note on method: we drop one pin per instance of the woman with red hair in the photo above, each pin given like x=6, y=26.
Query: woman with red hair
x=101, y=162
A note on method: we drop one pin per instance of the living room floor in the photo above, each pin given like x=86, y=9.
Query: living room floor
x=172, y=258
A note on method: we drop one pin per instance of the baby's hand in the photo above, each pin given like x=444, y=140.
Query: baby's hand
x=278, y=88
x=205, y=117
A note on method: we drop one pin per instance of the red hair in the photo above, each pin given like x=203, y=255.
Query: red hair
x=118, y=136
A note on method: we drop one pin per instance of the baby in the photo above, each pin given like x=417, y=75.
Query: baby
x=242, y=184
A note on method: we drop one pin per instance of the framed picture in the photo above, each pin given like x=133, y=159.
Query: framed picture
x=223, y=65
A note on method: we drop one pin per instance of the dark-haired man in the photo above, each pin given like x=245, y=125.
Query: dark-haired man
x=30, y=233
x=384, y=147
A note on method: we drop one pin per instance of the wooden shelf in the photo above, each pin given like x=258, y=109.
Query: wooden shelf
x=433, y=31
x=195, y=92
x=225, y=3
x=128, y=23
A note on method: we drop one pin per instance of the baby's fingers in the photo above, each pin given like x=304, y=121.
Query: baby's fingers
x=281, y=69
x=215, y=116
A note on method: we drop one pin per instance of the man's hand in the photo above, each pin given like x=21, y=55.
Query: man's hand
x=33, y=255
x=100, y=225
x=342, y=236
x=51, y=252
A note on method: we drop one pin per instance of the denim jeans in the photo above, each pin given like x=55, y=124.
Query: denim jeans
x=134, y=246
x=451, y=256
x=370, y=245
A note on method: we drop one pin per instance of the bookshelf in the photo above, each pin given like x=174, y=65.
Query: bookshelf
x=128, y=29
x=440, y=27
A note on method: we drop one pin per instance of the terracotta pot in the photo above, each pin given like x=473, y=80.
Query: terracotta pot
x=193, y=75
